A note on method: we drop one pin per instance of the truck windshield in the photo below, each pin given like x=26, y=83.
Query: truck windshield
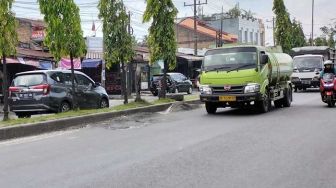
x=308, y=63
x=232, y=58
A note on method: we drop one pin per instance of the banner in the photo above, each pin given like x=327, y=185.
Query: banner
x=66, y=64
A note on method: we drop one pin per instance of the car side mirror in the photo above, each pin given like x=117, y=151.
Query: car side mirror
x=264, y=59
x=97, y=84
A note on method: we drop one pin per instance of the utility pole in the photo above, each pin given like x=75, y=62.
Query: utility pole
x=312, y=36
x=273, y=28
x=129, y=66
x=195, y=21
x=221, y=30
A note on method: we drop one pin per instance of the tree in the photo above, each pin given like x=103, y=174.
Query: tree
x=8, y=41
x=283, y=26
x=330, y=32
x=249, y=15
x=321, y=41
x=235, y=12
x=64, y=34
x=331, y=40
x=161, y=38
x=118, y=42
x=298, y=36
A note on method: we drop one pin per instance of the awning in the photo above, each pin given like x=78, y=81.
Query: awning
x=32, y=63
x=191, y=58
x=91, y=63
x=95, y=55
x=35, y=63
x=12, y=60
x=46, y=65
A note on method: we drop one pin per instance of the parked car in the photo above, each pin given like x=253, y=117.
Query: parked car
x=176, y=83
x=50, y=91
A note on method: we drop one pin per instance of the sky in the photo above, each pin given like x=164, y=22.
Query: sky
x=298, y=9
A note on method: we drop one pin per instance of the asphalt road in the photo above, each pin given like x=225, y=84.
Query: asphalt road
x=184, y=147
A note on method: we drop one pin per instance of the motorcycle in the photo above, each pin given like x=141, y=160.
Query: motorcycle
x=328, y=89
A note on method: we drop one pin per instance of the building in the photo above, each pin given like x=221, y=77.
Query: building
x=208, y=37
x=30, y=50
x=248, y=30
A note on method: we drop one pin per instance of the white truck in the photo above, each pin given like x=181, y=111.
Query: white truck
x=308, y=63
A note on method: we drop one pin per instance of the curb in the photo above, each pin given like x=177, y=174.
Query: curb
x=24, y=130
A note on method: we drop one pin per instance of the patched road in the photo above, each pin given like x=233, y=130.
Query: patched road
x=184, y=147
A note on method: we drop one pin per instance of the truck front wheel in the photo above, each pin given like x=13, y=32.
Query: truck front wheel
x=264, y=105
x=211, y=108
x=287, y=100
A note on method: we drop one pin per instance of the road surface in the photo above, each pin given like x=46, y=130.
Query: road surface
x=184, y=147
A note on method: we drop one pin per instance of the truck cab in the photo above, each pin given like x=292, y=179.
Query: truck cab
x=242, y=76
x=306, y=72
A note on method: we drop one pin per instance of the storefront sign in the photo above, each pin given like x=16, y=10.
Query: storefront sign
x=38, y=34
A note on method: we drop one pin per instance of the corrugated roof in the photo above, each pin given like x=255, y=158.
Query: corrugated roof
x=207, y=30
x=34, y=23
x=33, y=53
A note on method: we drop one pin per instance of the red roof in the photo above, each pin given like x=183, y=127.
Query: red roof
x=206, y=30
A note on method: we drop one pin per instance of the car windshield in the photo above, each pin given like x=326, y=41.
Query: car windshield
x=308, y=63
x=226, y=59
x=157, y=77
x=28, y=80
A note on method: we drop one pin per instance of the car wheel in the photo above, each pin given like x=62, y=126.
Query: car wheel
x=23, y=115
x=190, y=90
x=104, y=103
x=64, y=107
x=211, y=108
x=295, y=89
x=155, y=93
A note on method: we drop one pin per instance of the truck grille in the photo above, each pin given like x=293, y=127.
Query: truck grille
x=306, y=79
x=232, y=90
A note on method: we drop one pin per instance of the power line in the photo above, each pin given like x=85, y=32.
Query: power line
x=195, y=22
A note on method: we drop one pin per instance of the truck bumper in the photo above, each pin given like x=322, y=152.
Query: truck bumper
x=239, y=98
x=307, y=84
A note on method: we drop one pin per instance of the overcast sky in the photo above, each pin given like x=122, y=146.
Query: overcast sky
x=299, y=9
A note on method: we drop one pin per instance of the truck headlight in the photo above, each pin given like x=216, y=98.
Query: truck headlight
x=316, y=78
x=295, y=79
x=252, y=88
x=205, y=89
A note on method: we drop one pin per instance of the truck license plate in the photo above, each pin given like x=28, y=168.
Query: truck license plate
x=227, y=98
x=306, y=82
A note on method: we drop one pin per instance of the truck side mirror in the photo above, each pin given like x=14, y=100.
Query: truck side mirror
x=264, y=59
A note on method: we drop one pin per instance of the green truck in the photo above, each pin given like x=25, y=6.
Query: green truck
x=246, y=76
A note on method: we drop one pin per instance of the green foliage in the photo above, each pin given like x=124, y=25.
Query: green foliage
x=331, y=40
x=330, y=32
x=298, y=36
x=235, y=12
x=8, y=24
x=249, y=15
x=64, y=33
x=118, y=42
x=283, y=26
x=320, y=41
x=161, y=39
